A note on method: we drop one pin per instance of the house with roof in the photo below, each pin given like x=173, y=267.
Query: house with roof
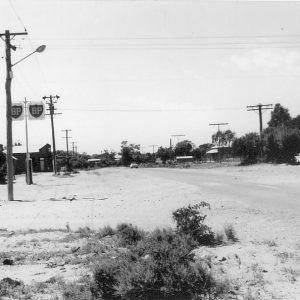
x=41, y=158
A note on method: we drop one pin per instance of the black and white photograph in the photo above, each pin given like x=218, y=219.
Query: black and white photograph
x=149, y=150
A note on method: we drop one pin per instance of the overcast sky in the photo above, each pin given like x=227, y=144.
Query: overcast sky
x=142, y=71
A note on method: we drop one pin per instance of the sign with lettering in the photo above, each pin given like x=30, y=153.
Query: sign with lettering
x=17, y=111
x=36, y=111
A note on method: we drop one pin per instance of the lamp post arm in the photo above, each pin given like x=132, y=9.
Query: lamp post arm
x=23, y=58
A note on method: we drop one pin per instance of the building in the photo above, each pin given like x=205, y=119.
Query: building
x=216, y=153
x=41, y=159
x=184, y=158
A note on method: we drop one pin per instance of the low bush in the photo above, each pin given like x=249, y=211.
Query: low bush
x=77, y=291
x=155, y=266
x=129, y=234
x=190, y=221
x=105, y=231
x=160, y=266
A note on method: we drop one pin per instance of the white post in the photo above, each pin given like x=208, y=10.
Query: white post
x=28, y=164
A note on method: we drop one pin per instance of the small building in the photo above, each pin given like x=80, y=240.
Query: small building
x=216, y=153
x=185, y=158
x=41, y=158
x=93, y=162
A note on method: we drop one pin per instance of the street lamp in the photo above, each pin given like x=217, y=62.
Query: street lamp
x=38, y=50
x=9, y=76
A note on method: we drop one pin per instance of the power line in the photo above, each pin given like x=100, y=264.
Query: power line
x=16, y=14
x=150, y=110
x=192, y=37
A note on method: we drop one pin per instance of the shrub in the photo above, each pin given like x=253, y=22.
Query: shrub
x=105, y=231
x=77, y=291
x=230, y=233
x=129, y=234
x=160, y=266
x=84, y=232
x=189, y=221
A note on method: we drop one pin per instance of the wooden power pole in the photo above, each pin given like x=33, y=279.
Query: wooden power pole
x=260, y=108
x=9, y=77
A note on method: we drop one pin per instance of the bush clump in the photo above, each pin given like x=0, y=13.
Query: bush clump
x=155, y=266
x=160, y=266
x=190, y=222
x=129, y=234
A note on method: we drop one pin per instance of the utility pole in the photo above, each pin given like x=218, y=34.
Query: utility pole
x=260, y=108
x=153, y=151
x=218, y=124
x=73, y=148
x=52, y=100
x=28, y=159
x=67, y=137
x=9, y=76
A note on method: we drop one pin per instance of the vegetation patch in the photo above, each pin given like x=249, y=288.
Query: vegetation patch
x=156, y=265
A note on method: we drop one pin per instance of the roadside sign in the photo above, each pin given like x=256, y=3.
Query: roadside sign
x=17, y=111
x=36, y=111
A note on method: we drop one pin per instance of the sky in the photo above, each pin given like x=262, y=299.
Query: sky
x=144, y=70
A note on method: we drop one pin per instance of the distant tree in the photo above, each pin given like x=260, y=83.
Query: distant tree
x=290, y=147
x=280, y=116
x=247, y=147
x=107, y=157
x=200, y=152
x=223, y=138
x=129, y=152
x=295, y=122
x=273, y=150
x=165, y=154
x=184, y=148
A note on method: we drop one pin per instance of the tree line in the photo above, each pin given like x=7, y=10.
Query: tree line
x=278, y=143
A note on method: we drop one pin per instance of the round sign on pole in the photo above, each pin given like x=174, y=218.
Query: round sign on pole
x=36, y=111
x=17, y=111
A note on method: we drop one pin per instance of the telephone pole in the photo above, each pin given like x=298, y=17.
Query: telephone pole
x=153, y=151
x=218, y=124
x=73, y=148
x=52, y=100
x=9, y=77
x=260, y=108
x=67, y=137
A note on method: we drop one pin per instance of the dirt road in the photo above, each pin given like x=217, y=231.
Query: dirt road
x=261, y=202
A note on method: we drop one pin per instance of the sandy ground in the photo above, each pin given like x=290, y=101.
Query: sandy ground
x=262, y=203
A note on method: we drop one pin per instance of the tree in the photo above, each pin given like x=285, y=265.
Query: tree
x=247, y=147
x=165, y=153
x=273, y=150
x=290, y=147
x=280, y=116
x=223, y=138
x=200, y=152
x=295, y=122
x=184, y=148
x=129, y=153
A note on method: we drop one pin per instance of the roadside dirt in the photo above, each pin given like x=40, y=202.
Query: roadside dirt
x=37, y=232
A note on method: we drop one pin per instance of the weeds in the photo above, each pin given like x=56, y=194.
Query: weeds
x=105, y=231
